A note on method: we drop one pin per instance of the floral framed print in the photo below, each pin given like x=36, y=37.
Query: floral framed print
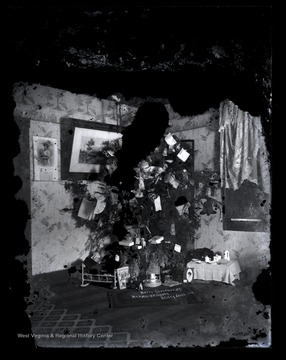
x=87, y=147
x=92, y=148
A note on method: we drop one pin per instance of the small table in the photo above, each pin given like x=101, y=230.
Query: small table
x=225, y=272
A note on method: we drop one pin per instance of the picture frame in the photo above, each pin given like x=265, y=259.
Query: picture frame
x=72, y=140
x=123, y=275
x=45, y=154
x=87, y=151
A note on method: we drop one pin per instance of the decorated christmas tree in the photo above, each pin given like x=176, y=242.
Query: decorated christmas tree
x=153, y=225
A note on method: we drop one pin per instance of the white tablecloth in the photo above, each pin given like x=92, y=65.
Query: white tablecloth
x=219, y=272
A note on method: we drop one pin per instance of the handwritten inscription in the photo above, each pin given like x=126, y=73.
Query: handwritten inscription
x=162, y=294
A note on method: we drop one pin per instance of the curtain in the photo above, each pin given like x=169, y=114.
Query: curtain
x=243, y=154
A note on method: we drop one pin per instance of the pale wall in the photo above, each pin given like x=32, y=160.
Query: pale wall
x=250, y=248
x=55, y=241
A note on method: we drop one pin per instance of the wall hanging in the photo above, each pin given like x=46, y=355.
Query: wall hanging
x=92, y=148
x=45, y=151
x=85, y=145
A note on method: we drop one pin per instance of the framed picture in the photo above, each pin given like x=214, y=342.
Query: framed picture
x=86, y=146
x=123, y=275
x=45, y=159
x=91, y=149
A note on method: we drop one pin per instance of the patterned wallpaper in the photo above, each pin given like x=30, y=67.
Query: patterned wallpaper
x=47, y=104
x=55, y=240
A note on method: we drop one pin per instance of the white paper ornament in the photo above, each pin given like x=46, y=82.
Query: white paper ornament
x=183, y=155
x=170, y=140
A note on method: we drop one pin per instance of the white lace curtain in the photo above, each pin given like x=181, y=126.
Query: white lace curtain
x=243, y=154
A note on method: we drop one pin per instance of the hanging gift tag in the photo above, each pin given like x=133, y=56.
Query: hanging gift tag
x=183, y=155
x=170, y=140
x=157, y=203
x=177, y=248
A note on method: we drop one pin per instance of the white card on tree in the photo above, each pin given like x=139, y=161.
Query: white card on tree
x=183, y=155
x=170, y=139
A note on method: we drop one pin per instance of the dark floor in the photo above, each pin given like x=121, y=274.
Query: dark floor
x=63, y=314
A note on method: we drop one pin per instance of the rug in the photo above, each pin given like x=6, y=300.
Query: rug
x=176, y=295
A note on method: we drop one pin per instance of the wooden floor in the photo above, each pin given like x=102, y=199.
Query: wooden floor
x=64, y=314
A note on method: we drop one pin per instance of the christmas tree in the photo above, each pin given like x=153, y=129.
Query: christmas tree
x=165, y=203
